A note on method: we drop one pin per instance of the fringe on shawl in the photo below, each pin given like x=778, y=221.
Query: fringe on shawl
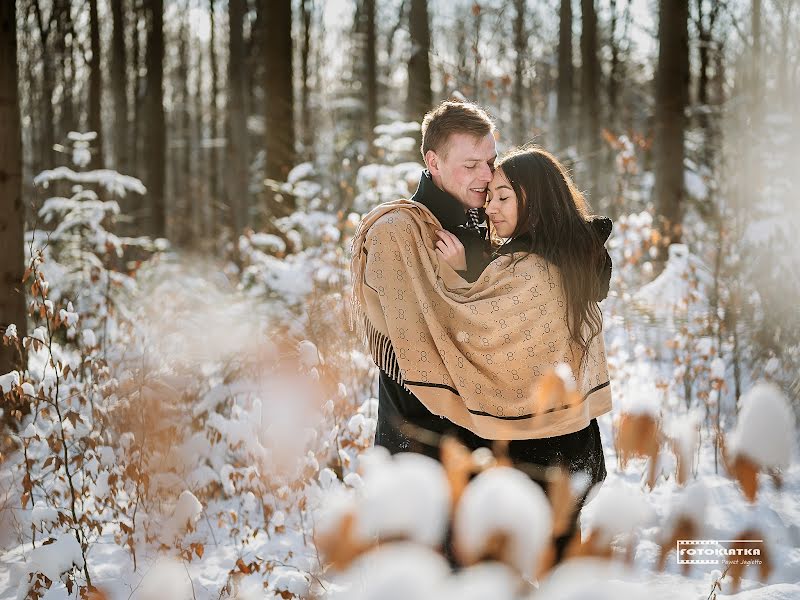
x=380, y=346
x=382, y=351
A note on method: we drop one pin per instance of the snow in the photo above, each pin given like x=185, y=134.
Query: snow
x=110, y=180
x=408, y=498
x=765, y=429
x=11, y=331
x=54, y=559
x=309, y=355
x=185, y=514
x=395, y=572
x=619, y=509
x=9, y=381
x=498, y=501
x=43, y=515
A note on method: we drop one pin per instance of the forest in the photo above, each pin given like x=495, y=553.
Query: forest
x=185, y=409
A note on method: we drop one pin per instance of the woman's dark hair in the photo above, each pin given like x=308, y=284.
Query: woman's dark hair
x=554, y=222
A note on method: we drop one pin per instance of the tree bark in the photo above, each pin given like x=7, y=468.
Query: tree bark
x=420, y=98
x=119, y=87
x=279, y=89
x=95, y=87
x=566, y=76
x=521, y=56
x=306, y=9
x=590, y=97
x=371, y=71
x=12, y=219
x=48, y=139
x=672, y=83
x=236, y=142
x=155, y=131
x=214, y=134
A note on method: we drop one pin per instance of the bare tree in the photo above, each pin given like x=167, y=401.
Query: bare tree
x=590, y=99
x=372, y=70
x=155, y=129
x=236, y=143
x=278, y=89
x=420, y=97
x=672, y=86
x=306, y=10
x=95, y=86
x=12, y=220
x=566, y=75
x=119, y=87
x=520, y=58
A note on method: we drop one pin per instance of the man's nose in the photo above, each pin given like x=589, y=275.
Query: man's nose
x=486, y=173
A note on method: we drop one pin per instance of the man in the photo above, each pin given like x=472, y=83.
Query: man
x=459, y=151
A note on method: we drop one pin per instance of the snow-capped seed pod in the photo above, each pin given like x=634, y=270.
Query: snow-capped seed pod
x=487, y=518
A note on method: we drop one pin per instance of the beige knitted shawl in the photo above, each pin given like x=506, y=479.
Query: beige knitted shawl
x=483, y=354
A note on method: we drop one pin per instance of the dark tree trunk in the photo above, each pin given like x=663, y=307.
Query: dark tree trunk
x=95, y=87
x=119, y=87
x=47, y=139
x=672, y=83
x=279, y=89
x=155, y=131
x=372, y=71
x=182, y=176
x=420, y=97
x=63, y=57
x=590, y=96
x=521, y=56
x=214, y=134
x=236, y=142
x=306, y=8
x=613, y=76
x=566, y=76
x=12, y=219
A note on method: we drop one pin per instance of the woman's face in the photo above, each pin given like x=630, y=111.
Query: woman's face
x=501, y=208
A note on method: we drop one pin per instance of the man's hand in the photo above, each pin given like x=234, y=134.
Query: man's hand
x=451, y=250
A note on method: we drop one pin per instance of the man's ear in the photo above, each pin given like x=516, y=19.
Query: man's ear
x=432, y=162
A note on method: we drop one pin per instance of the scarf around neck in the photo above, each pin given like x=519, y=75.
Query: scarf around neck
x=484, y=354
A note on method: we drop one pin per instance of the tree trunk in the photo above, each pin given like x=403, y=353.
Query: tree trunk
x=521, y=56
x=306, y=8
x=566, y=75
x=95, y=88
x=419, y=98
x=672, y=82
x=372, y=71
x=590, y=97
x=63, y=57
x=12, y=219
x=155, y=134
x=213, y=153
x=119, y=87
x=181, y=209
x=613, y=76
x=236, y=146
x=47, y=141
x=278, y=89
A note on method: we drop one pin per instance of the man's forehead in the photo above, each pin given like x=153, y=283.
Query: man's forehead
x=463, y=146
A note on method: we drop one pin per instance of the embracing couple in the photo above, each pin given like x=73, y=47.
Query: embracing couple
x=475, y=328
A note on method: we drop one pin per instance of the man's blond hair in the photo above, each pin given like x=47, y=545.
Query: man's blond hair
x=453, y=117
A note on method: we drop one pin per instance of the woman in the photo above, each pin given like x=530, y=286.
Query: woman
x=482, y=354
x=534, y=208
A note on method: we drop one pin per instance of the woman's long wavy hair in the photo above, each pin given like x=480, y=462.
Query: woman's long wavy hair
x=555, y=217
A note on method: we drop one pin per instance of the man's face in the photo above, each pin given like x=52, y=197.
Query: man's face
x=464, y=167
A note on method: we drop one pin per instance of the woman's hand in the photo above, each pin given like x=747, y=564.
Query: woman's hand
x=451, y=250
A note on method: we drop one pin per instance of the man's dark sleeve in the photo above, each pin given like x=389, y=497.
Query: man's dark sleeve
x=603, y=227
x=476, y=250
